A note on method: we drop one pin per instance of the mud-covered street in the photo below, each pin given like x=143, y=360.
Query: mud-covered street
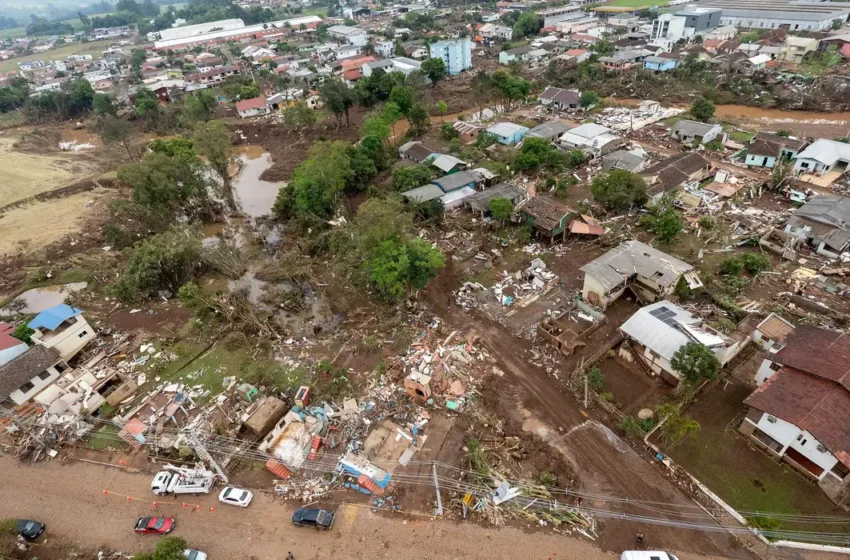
x=70, y=500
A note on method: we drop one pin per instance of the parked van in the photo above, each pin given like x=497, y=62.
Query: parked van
x=646, y=555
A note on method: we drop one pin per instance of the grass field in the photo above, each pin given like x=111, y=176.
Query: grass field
x=93, y=48
x=13, y=33
x=635, y=3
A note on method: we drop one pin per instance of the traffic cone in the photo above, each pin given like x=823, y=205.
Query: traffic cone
x=155, y=504
x=129, y=498
x=185, y=504
x=212, y=509
x=105, y=492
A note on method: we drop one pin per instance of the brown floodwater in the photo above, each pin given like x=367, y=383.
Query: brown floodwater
x=37, y=300
x=254, y=196
x=757, y=113
x=80, y=136
x=250, y=151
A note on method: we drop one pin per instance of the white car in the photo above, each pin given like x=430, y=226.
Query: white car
x=235, y=496
x=194, y=554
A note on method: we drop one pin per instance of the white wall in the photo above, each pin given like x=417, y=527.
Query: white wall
x=764, y=372
x=787, y=434
x=19, y=397
x=68, y=342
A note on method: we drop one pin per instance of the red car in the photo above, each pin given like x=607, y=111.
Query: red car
x=156, y=525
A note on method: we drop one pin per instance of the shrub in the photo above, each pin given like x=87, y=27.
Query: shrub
x=594, y=379
x=755, y=262
x=708, y=222
x=732, y=266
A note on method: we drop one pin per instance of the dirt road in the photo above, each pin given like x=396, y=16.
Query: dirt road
x=605, y=465
x=70, y=500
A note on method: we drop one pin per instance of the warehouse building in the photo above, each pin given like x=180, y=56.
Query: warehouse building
x=237, y=33
x=791, y=15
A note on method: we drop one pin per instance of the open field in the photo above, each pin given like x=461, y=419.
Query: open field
x=92, y=48
x=42, y=223
x=13, y=33
x=26, y=175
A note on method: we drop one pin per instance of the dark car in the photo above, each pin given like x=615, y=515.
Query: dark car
x=156, y=525
x=312, y=517
x=30, y=530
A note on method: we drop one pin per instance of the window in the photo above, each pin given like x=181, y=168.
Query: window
x=771, y=419
x=801, y=439
x=83, y=334
x=775, y=366
x=840, y=470
x=821, y=448
x=61, y=367
x=44, y=375
x=27, y=387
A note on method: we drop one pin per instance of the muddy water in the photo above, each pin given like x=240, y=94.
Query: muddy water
x=39, y=299
x=757, y=113
x=251, y=151
x=80, y=136
x=255, y=197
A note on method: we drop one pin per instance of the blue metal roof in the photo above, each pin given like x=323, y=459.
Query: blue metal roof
x=53, y=317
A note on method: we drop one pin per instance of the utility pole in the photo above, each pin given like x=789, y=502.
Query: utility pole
x=437, y=488
x=204, y=455
x=585, y=391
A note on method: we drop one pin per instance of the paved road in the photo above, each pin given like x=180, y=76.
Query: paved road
x=70, y=499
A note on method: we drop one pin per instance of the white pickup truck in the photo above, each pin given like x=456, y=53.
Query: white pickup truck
x=177, y=480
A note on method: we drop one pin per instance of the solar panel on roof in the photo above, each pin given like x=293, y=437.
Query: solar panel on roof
x=664, y=314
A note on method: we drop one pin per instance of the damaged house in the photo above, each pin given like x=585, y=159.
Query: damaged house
x=650, y=274
x=62, y=327
x=799, y=413
x=24, y=377
x=765, y=150
x=547, y=217
x=674, y=172
x=689, y=132
x=823, y=156
x=824, y=222
x=657, y=331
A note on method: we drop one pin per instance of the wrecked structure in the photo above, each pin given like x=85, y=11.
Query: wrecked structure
x=650, y=274
x=567, y=329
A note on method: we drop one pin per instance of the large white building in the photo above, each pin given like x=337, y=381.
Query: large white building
x=248, y=31
x=791, y=15
x=201, y=29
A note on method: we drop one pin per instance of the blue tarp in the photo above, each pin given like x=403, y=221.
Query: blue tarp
x=53, y=317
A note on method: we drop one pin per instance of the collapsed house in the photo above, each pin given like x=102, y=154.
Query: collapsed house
x=568, y=328
x=649, y=273
x=824, y=222
x=675, y=172
x=657, y=331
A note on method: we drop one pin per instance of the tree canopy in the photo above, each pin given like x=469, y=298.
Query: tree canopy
x=702, y=109
x=618, y=189
x=528, y=23
x=695, y=363
x=434, y=69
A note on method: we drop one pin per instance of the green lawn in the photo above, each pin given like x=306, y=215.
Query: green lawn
x=321, y=12
x=635, y=3
x=93, y=48
x=741, y=475
x=13, y=33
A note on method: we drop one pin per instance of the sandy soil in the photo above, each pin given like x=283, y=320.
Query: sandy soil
x=41, y=224
x=70, y=500
x=28, y=174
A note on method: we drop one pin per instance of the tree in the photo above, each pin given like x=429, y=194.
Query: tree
x=149, y=9
x=397, y=267
x=317, y=184
x=163, y=183
x=702, y=109
x=102, y=105
x=419, y=119
x=379, y=219
x=442, y=108
x=81, y=96
x=618, y=189
x=163, y=262
x=118, y=132
x=147, y=105
x=528, y=23
x=575, y=159
x=448, y=132
x=434, y=69
x=511, y=88
x=588, y=99
x=212, y=141
x=501, y=208
x=299, y=114
x=676, y=427
x=413, y=177
x=695, y=363
x=667, y=226
x=249, y=91
x=338, y=98
x=200, y=106
x=837, y=24
x=603, y=47
x=403, y=98
x=23, y=333
x=363, y=170
x=170, y=548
